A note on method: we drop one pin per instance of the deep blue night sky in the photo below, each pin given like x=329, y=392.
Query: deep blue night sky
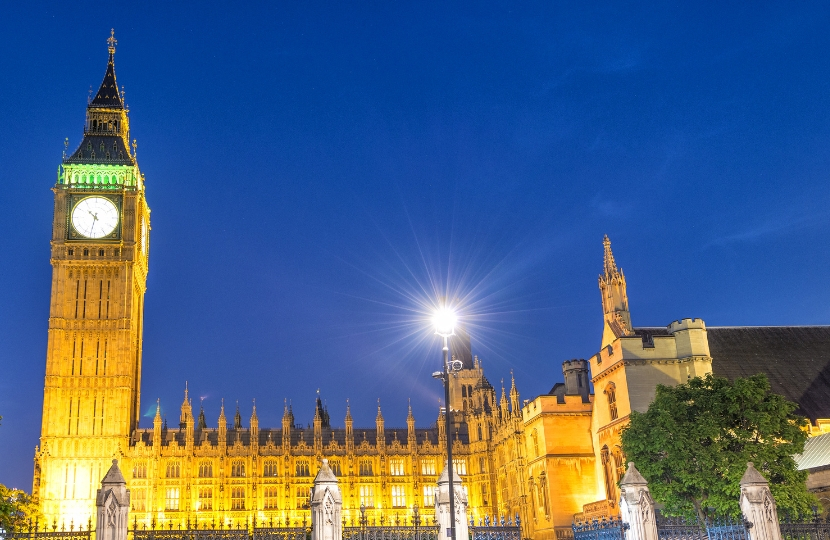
x=317, y=173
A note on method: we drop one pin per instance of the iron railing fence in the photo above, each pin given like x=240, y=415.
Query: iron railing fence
x=805, y=527
x=391, y=532
x=34, y=530
x=679, y=528
x=508, y=532
x=605, y=529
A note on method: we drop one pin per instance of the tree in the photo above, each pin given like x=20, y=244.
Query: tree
x=695, y=439
x=17, y=509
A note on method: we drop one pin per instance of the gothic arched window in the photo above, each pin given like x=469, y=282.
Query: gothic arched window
x=270, y=468
x=205, y=469
x=238, y=469
x=173, y=469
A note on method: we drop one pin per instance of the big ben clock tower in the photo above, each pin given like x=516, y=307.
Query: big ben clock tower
x=100, y=236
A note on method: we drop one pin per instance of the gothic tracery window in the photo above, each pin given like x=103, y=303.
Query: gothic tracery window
x=238, y=469
x=173, y=469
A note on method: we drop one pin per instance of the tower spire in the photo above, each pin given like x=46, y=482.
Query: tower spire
x=617, y=319
x=608, y=259
x=108, y=95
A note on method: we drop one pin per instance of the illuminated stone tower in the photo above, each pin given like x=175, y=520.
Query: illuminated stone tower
x=100, y=236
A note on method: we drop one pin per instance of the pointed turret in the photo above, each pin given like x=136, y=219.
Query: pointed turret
x=514, y=396
x=157, y=442
x=186, y=420
x=504, y=407
x=617, y=319
x=202, y=422
x=349, y=428
x=381, y=435
x=223, y=428
x=287, y=423
x=187, y=410
x=442, y=430
x=410, y=429
x=237, y=418
x=254, y=430
x=318, y=425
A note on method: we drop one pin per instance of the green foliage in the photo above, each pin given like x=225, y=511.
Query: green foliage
x=16, y=509
x=693, y=444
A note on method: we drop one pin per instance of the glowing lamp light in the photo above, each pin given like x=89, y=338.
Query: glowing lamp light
x=444, y=320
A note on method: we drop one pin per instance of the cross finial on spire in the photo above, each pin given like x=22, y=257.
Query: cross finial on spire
x=111, y=41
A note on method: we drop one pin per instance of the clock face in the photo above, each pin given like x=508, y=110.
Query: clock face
x=95, y=217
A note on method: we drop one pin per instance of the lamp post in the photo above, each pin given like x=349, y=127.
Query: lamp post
x=444, y=321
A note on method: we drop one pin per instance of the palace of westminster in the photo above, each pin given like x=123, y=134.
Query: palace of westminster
x=545, y=459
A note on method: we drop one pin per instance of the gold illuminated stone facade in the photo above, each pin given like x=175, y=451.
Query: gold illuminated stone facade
x=544, y=460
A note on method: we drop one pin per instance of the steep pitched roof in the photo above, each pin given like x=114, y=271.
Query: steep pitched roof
x=796, y=359
x=108, y=94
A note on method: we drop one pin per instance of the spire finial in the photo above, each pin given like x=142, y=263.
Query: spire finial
x=111, y=41
x=185, y=390
x=610, y=263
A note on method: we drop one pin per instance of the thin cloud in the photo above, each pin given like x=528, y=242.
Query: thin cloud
x=768, y=228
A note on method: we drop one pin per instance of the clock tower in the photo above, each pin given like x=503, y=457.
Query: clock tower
x=99, y=256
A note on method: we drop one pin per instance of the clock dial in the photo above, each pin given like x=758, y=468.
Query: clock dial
x=95, y=217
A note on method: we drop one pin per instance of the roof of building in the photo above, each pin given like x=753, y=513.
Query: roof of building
x=299, y=437
x=796, y=359
x=101, y=149
x=816, y=453
x=108, y=95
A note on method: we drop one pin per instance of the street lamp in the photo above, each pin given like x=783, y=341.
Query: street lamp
x=444, y=320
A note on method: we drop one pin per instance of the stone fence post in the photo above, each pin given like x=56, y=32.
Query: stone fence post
x=113, y=506
x=758, y=505
x=326, y=506
x=442, y=507
x=637, y=506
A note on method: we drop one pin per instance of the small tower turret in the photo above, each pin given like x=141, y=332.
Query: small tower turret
x=186, y=420
x=617, y=319
x=287, y=423
x=254, y=431
x=410, y=430
x=237, y=418
x=318, y=425
x=349, y=429
x=504, y=407
x=576, y=378
x=442, y=431
x=202, y=423
x=381, y=435
x=157, y=429
x=223, y=429
x=515, y=408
